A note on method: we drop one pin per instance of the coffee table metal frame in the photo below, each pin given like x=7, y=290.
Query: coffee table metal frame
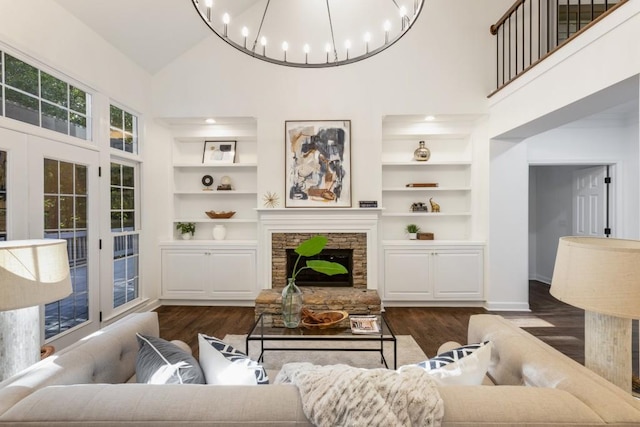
x=264, y=334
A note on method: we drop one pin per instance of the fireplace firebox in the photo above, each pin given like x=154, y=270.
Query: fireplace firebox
x=308, y=277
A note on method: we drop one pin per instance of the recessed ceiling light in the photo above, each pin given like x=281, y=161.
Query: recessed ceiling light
x=210, y=121
x=429, y=118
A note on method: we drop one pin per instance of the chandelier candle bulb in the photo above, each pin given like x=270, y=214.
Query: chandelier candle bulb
x=245, y=34
x=225, y=20
x=263, y=42
x=387, y=28
x=209, y=5
x=285, y=46
x=403, y=15
x=367, y=39
x=347, y=45
x=306, y=53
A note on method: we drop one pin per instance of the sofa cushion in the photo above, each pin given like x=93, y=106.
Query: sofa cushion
x=464, y=365
x=223, y=364
x=161, y=362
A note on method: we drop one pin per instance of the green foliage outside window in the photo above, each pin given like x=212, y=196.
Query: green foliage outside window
x=41, y=99
x=124, y=130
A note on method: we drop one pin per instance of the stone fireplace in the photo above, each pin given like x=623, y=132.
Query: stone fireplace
x=356, y=243
x=352, y=229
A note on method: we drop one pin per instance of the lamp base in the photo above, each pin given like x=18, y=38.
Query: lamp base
x=607, y=344
x=19, y=340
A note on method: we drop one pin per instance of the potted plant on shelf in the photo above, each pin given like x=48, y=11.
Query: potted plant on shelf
x=291, y=294
x=412, y=230
x=186, y=229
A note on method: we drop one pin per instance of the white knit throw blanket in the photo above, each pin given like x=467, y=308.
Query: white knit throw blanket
x=344, y=396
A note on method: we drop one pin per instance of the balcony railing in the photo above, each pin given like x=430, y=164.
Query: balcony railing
x=533, y=29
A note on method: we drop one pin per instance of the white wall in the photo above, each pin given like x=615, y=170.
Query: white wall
x=445, y=64
x=596, y=71
x=617, y=143
x=587, y=142
x=41, y=32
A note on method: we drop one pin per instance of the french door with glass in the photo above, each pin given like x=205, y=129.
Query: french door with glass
x=64, y=205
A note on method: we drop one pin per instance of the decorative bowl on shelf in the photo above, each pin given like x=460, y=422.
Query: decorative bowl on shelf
x=322, y=319
x=220, y=214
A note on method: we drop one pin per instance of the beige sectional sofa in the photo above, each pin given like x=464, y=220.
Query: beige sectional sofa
x=86, y=384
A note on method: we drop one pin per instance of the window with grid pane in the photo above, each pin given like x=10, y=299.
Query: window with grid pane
x=125, y=236
x=41, y=99
x=123, y=131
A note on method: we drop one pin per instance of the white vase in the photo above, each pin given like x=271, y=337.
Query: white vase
x=186, y=236
x=413, y=236
x=219, y=232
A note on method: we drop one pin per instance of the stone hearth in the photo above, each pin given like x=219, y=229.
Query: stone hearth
x=353, y=301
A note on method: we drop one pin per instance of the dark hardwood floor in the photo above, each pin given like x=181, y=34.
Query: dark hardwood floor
x=558, y=324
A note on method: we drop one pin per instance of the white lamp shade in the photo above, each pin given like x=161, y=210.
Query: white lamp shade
x=598, y=274
x=33, y=272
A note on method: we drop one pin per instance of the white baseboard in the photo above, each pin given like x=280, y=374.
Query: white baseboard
x=507, y=306
x=540, y=278
x=388, y=303
x=228, y=303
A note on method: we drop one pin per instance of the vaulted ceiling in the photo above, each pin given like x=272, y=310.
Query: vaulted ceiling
x=150, y=32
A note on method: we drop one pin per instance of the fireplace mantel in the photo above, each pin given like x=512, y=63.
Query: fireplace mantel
x=322, y=220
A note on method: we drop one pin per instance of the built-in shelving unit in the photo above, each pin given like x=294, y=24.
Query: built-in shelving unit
x=450, y=267
x=191, y=199
x=449, y=167
x=203, y=268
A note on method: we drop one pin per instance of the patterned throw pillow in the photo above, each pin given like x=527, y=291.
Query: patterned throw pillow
x=223, y=364
x=161, y=362
x=465, y=365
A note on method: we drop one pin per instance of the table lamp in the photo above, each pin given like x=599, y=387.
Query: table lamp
x=602, y=276
x=32, y=272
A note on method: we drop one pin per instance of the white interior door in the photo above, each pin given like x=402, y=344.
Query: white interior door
x=63, y=204
x=589, y=201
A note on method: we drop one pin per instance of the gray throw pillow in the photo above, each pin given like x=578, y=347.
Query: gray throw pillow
x=161, y=362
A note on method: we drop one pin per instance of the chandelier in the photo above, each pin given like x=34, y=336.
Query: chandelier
x=309, y=33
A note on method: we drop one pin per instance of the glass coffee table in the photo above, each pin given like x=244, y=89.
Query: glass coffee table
x=323, y=339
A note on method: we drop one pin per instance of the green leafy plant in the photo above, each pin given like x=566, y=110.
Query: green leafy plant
x=291, y=294
x=186, y=227
x=412, y=228
x=311, y=247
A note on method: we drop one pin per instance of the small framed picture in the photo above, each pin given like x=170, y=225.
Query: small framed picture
x=217, y=152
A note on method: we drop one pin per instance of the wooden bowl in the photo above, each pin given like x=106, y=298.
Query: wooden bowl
x=335, y=316
x=221, y=214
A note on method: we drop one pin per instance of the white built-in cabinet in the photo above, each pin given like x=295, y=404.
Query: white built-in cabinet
x=450, y=267
x=204, y=268
x=438, y=272
x=201, y=271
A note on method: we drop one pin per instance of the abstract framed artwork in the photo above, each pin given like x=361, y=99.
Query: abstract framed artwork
x=318, y=163
x=219, y=152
